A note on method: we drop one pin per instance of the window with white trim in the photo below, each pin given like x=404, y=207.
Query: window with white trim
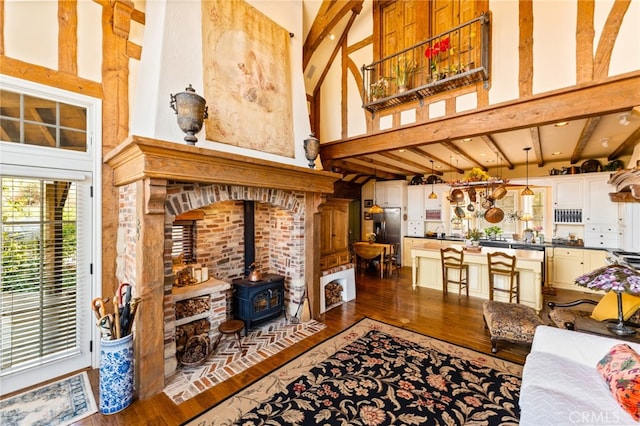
x=49, y=231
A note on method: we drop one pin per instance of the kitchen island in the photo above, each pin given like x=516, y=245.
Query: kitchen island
x=427, y=272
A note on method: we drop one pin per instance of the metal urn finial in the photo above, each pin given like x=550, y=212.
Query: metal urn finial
x=191, y=110
x=311, y=150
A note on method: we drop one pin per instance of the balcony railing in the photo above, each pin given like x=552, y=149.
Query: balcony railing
x=453, y=59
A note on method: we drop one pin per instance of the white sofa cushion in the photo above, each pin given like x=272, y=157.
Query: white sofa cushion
x=557, y=391
x=560, y=382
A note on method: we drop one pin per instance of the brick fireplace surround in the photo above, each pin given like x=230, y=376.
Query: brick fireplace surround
x=157, y=180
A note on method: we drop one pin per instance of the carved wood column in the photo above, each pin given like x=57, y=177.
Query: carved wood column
x=312, y=251
x=149, y=285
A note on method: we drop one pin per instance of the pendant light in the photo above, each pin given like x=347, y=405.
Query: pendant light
x=375, y=208
x=527, y=192
x=433, y=195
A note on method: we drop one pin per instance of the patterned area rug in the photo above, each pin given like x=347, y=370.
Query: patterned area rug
x=60, y=403
x=375, y=374
x=259, y=344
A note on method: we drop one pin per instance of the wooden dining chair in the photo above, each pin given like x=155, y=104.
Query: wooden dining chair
x=500, y=263
x=453, y=259
x=391, y=259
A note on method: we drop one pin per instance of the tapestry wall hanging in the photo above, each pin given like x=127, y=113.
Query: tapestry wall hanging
x=246, y=78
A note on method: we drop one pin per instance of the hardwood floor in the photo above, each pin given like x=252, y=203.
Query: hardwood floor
x=392, y=300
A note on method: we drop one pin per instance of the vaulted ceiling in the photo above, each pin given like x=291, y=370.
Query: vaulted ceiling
x=490, y=138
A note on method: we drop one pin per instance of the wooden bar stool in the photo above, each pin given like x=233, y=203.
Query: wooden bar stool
x=500, y=263
x=453, y=259
x=231, y=327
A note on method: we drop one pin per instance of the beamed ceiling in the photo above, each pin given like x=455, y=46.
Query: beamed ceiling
x=603, y=122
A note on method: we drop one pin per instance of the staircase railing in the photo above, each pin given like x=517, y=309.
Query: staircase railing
x=449, y=60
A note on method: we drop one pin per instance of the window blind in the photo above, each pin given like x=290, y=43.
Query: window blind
x=183, y=236
x=39, y=288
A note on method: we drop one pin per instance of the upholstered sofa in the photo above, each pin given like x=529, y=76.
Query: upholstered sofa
x=561, y=384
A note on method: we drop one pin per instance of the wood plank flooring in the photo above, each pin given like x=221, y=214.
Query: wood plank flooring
x=392, y=300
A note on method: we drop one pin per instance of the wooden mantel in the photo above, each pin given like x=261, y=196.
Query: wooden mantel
x=151, y=165
x=140, y=158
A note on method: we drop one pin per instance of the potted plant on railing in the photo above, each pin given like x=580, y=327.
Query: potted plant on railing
x=402, y=73
x=433, y=54
x=378, y=90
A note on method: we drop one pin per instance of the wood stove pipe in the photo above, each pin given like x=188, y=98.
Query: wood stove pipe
x=249, y=236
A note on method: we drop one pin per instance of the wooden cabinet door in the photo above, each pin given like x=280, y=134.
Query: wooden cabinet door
x=339, y=228
x=326, y=219
x=416, y=202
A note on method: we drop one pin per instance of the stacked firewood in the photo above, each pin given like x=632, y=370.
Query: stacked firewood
x=332, y=293
x=186, y=331
x=193, y=306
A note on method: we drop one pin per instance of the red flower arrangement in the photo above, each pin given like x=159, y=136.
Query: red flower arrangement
x=433, y=52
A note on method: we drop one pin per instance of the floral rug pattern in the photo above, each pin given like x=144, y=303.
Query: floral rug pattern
x=60, y=403
x=377, y=374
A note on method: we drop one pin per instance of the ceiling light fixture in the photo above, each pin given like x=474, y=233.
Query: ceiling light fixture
x=375, y=208
x=433, y=195
x=624, y=119
x=527, y=192
x=562, y=124
x=605, y=142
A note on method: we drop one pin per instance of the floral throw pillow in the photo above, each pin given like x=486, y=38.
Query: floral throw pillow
x=620, y=368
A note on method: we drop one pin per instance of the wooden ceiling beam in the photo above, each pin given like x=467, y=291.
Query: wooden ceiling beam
x=420, y=152
x=451, y=147
x=626, y=146
x=585, y=135
x=329, y=15
x=537, y=145
x=615, y=94
x=487, y=139
x=376, y=163
x=394, y=157
x=348, y=166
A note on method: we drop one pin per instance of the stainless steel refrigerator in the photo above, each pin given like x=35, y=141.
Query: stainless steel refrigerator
x=388, y=227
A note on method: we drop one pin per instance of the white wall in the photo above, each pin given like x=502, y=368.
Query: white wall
x=554, y=56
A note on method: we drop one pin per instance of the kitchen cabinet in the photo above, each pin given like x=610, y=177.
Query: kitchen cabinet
x=408, y=243
x=392, y=193
x=415, y=228
x=416, y=195
x=598, y=206
x=433, y=207
x=601, y=235
x=568, y=200
x=334, y=234
x=567, y=264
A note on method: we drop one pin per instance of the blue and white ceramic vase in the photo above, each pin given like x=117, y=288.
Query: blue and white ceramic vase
x=116, y=374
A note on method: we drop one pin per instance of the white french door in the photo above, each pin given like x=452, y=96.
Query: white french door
x=45, y=276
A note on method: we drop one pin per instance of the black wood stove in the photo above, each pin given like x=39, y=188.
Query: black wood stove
x=258, y=301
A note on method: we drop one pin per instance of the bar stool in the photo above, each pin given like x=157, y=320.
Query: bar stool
x=231, y=327
x=500, y=263
x=453, y=259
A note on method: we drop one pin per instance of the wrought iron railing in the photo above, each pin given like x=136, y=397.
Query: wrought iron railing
x=453, y=59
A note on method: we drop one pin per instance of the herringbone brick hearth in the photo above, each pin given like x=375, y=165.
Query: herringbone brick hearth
x=226, y=361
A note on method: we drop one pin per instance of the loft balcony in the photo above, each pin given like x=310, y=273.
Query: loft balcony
x=449, y=60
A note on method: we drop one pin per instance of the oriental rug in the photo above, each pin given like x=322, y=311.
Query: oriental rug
x=226, y=361
x=59, y=403
x=377, y=374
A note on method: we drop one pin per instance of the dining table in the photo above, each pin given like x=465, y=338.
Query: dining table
x=369, y=251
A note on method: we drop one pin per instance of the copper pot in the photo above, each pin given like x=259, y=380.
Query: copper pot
x=494, y=215
x=499, y=193
x=255, y=275
x=457, y=195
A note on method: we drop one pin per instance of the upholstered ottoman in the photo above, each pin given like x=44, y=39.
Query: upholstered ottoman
x=510, y=322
